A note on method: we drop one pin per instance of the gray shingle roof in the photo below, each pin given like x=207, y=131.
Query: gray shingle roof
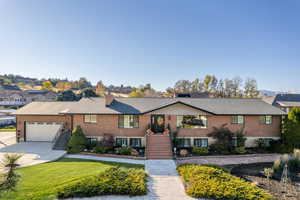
x=218, y=106
x=45, y=108
x=286, y=97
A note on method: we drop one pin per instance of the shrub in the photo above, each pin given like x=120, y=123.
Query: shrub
x=240, y=138
x=212, y=183
x=292, y=160
x=99, y=148
x=218, y=167
x=112, y=181
x=240, y=150
x=201, y=151
x=223, y=136
x=78, y=142
x=218, y=149
x=124, y=150
x=108, y=141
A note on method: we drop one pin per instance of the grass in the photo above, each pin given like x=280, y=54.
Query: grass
x=7, y=129
x=44, y=180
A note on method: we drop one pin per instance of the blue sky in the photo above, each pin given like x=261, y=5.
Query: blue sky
x=135, y=42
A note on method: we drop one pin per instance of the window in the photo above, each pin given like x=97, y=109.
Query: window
x=92, y=140
x=90, y=118
x=191, y=121
x=135, y=142
x=266, y=119
x=201, y=142
x=121, y=142
x=184, y=142
x=128, y=121
x=238, y=119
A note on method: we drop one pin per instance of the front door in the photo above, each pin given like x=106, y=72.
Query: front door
x=158, y=123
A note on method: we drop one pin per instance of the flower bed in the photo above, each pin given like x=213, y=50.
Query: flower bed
x=212, y=183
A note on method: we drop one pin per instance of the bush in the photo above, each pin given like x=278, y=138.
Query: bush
x=218, y=149
x=224, y=136
x=240, y=138
x=200, y=151
x=212, y=183
x=240, y=150
x=112, y=181
x=292, y=160
x=99, y=148
x=124, y=150
x=78, y=142
x=108, y=141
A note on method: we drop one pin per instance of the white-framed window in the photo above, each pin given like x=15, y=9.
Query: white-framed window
x=191, y=121
x=90, y=118
x=122, y=141
x=128, y=121
x=91, y=140
x=237, y=119
x=267, y=119
x=201, y=142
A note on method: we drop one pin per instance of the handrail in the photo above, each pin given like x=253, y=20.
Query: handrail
x=58, y=133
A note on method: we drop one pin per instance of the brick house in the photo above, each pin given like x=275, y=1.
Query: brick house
x=127, y=119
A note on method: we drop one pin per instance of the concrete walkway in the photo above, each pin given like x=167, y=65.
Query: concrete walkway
x=108, y=159
x=33, y=152
x=230, y=159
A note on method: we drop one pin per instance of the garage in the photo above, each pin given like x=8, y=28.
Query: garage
x=41, y=131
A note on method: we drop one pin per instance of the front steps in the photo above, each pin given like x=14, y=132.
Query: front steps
x=158, y=147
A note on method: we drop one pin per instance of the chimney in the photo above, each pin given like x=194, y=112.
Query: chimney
x=109, y=98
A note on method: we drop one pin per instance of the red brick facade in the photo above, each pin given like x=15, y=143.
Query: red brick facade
x=108, y=124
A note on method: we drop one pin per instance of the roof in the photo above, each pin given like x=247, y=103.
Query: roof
x=216, y=106
x=44, y=108
x=289, y=103
x=287, y=97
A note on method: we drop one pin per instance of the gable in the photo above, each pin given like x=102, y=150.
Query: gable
x=179, y=109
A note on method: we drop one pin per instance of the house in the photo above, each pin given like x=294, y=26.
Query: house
x=19, y=98
x=284, y=101
x=127, y=119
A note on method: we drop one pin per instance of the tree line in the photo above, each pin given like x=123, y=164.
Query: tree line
x=213, y=87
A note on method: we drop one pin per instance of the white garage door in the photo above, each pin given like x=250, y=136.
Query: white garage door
x=41, y=131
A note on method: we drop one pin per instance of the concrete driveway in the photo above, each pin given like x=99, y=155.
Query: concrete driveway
x=33, y=152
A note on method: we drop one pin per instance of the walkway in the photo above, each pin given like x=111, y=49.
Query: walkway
x=230, y=159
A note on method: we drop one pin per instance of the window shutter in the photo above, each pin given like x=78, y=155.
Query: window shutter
x=262, y=119
x=121, y=121
x=135, y=121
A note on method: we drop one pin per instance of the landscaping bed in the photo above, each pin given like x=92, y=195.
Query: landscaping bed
x=213, y=182
x=254, y=174
x=63, y=178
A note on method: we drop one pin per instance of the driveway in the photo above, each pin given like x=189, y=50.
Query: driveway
x=33, y=152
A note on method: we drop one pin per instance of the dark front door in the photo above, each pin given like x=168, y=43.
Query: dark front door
x=158, y=123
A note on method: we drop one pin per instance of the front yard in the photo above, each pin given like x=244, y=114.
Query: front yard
x=44, y=181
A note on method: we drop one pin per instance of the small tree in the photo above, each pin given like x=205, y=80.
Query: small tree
x=68, y=95
x=240, y=138
x=78, y=142
x=291, y=135
x=10, y=178
x=223, y=135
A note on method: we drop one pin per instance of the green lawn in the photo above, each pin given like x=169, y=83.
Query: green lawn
x=7, y=129
x=42, y=181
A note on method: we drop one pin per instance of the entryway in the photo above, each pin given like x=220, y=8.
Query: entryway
x=158, y=123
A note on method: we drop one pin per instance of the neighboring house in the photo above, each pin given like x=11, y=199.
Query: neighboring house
x=127, y=119
x=284, y=101
x=6, y=118
x=20, y=98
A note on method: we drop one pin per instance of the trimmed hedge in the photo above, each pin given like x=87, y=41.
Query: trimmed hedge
x=212, y=183
x=112, y=181
x=200, y=151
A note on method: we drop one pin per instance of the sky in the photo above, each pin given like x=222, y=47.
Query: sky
x=134, y=42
